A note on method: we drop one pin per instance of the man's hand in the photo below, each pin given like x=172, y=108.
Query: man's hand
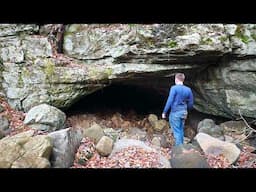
x=163, y=115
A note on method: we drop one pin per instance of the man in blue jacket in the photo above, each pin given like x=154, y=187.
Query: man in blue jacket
x=180, y=100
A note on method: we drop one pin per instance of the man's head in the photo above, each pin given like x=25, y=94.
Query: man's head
x=179, y=78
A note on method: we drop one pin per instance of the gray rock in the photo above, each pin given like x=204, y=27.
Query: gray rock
x=164, y=140
x=196, y=145
x=94, y=132
x=51, y=118
x=185, y=156
x=209, y=127
x=85, y=41
x=15, y=29
x=37, y=47
x=4, y=126
x=104, y=146
x=26, y=86
x=243, y=41
x=230, y=29
x=206, y=123
x=161, y=125
x=11, y=50
x=229, y=87
x=65, y=144
x=213, y=146
x=236, y=127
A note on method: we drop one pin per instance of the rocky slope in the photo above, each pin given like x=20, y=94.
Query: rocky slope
x=217, y=59
x=117, y=141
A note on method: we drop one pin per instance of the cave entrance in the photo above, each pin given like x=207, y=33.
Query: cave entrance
x=131, y=100
x=123, y=99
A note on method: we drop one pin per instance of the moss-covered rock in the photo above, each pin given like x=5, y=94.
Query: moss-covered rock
x=83, y=41
x=243, y=40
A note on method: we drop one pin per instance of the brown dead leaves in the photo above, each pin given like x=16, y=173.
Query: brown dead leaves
x=15, y=118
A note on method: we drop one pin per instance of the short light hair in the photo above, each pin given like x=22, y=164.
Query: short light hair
x=180, y=76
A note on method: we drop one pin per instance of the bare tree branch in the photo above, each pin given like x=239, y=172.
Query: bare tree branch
x=246, y=122
x=251, y=130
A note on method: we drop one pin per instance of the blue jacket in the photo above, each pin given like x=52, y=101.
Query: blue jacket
x=180, y=98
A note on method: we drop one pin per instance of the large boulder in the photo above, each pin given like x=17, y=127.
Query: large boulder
x=45, y=117
x=20, y=138
x=186, y=156
x=25, y=151
x=65, y=144
x=213, y=146
x=30, y=161
x=229, y=88
x=40, y=145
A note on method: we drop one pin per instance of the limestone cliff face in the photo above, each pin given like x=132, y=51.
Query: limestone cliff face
x=219, y=61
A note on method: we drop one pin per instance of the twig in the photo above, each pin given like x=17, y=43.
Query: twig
x=239, y=141
x=248, y=126
x=246, y=122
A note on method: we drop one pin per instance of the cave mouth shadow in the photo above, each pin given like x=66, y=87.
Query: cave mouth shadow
x=127, y=98
x=122, y=99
